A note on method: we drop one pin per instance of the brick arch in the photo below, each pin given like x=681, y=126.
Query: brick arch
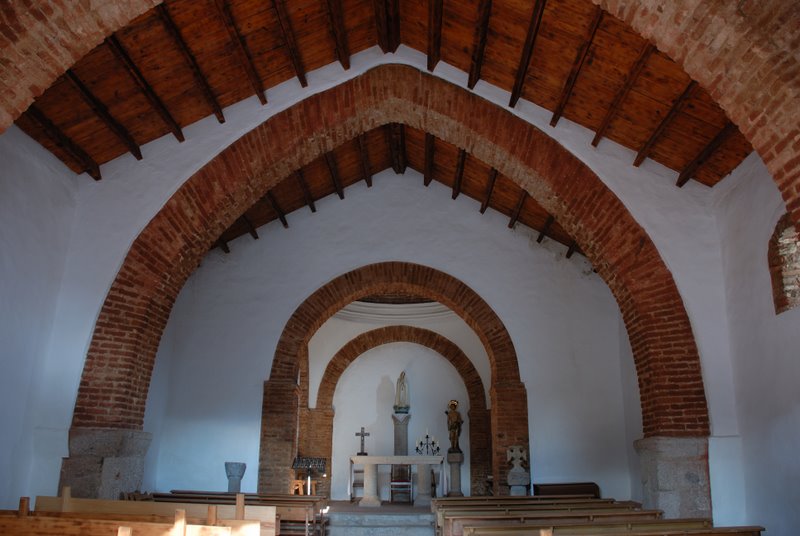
x=479, y=438
x=743, y=53
x=284, y=414
x=783, y=257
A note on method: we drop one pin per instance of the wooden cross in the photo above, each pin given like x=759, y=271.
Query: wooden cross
x=363, y=434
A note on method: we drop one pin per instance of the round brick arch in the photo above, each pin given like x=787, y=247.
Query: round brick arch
x=479, y=438
x=742, y=52
x=290, y=428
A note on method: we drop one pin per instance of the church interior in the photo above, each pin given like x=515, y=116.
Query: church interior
x=291, y=233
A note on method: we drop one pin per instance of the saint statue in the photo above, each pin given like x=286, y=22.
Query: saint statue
x=454, y=422
x=401, y=403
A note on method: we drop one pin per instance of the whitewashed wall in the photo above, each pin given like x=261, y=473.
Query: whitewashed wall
x=765, y=351
x=37, y=203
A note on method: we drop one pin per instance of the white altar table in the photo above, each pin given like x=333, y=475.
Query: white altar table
x=371, y=463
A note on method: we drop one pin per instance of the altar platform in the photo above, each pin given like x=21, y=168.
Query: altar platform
x=348, y=519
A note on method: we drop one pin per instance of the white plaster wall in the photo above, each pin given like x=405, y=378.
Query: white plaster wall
x=765, y=351
x=37, y=203
x=111, y=213
x=364, y=397
x=561, y=317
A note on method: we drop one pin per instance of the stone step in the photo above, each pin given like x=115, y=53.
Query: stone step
x=384, y=524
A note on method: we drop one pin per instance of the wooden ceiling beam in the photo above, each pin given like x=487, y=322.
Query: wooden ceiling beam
x=479, y=47
x=250, y=227
x=630, y=79
x=701, y=158
x=191, y=61
x=518, y=210
x=462, y=157
x=577, y=65
x=363, y=157
x=397, y=147
x=223, y=245
x=393, y=23
x=81, y=157
x=288, y=38
x=309, y=199
x=102, y=112
x=277, y=208
x=430, y=147
x=489, y=189
x=571, y=249
x=547, y=224
x=245, y=60
x=330, y=160
x=527, y=51
x=434, y=33
x=677, y=105
x=338, y=31
x=136, y=75
x=387, y=24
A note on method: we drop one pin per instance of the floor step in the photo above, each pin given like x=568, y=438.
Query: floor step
x=380, y=524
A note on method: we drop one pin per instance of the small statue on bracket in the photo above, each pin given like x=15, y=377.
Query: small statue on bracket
x=454, y=422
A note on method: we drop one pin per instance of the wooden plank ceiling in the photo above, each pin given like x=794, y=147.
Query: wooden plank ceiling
x=188, y=59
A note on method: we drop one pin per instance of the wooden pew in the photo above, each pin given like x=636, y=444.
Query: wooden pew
x=599, y=527
x=22, y=522
x=520, y=506
x=628, y=531
x=227, y=514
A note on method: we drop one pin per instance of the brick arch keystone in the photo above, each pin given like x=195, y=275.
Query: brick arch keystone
x=313, y=440
x=742, y=52
x=119, y=362
x=285, y=416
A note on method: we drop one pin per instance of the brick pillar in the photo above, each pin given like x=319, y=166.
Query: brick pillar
x=675, y=475
x=279, y=421
x=480, y=451
x=103, y=462
x=509, y=417
x=316, y=440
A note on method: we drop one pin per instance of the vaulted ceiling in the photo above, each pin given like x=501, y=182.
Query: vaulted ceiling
x=188, y=59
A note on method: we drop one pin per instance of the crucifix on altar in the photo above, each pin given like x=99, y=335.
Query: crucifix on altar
x=363, y=434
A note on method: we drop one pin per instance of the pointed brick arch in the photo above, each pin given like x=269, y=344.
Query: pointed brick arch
x=313, y=440
x=283, y=418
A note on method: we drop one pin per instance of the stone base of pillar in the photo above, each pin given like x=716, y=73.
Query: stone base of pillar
x=104, y=463
x=455, y=459
x=675, y=475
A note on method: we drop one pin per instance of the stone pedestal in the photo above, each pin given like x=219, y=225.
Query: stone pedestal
x=519, y=480
x=675, y=475
x=235, y=471
x=423, y=497
x=400, y=421
x=370, y=497
x=455, y=458
x=103, y=463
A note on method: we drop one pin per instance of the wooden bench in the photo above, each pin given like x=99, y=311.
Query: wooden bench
x=574, y=529
x=22, y=522
x=662, y=530
x=264, y=515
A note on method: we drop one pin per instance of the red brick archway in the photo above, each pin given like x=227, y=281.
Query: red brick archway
x=742, y=52
x=282, y=418
x=317, y=439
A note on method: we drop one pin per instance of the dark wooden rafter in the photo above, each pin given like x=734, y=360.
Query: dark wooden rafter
x=571, y=249
x=547, y=224
x=363, y=157
x=277, y=208
x=250, y=227
x=434, y=33
x=577, y=65
x=462, y=157
x=430, y=148
x=479, y=47
x=489, y=189
x=387, y=24
x=309, y=199
x=527, y=51
x=330, y=160
x=81, y=157
x=223, y=245
x=338, y=31
x=701, y=158
x=241, y=49
x=136, y=75
x=677, y=105
x=518, y=210
x=191, y=61
x=630, y=79
x=397, y=147
x=102, y=112
x=288, y=38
